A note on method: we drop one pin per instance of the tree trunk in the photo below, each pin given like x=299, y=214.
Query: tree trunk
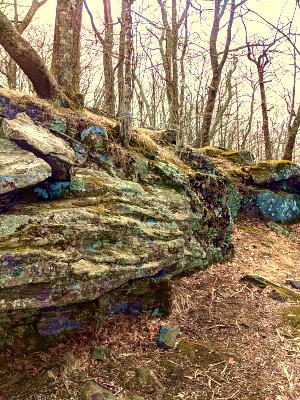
x=28, y=60
x=209, y=110
x=169, y=59
x=125, y=75
x=292, y=133
x=224, y=106
x=66, y=48
x=109, y=90
x=20, y=26
x=11, y=73
x=264, y=110
x=121, y=57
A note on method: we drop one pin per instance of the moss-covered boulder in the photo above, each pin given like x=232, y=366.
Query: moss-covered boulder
x=273, y=171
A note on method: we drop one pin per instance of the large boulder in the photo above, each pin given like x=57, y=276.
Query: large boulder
x=268, y=189
x=267, y=172
x=56, y=152
x=56, y=260
x=104, y=238
x=19, y=168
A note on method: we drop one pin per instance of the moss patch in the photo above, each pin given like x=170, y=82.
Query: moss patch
x=200, y=352
x=250, y=228
x=291, y=319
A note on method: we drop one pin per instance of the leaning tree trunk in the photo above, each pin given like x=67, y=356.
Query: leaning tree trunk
x=28, y=60
x=21, y=26
x=66, y=48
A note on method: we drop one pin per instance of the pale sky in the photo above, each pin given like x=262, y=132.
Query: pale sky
x=269, y=9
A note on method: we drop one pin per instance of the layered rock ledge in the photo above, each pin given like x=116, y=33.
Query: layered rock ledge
x=90, y=229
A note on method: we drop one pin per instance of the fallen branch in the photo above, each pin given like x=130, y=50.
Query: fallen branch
x=262, y=282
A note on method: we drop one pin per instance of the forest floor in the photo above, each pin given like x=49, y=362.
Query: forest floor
x=214, y=307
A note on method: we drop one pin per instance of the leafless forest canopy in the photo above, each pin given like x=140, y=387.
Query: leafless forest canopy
x=218, y=72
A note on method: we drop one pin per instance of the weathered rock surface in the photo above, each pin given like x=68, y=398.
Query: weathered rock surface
x=106, y=237
x=40, y=142
x=111, y=232
x=20, y=168
x=269, y=189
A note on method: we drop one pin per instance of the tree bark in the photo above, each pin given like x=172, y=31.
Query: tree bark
x=109, y=79
x=66, y=48
x=292, y=133
x=28, y=60
x=224, y=106
x=264, y=110
x=125, y=73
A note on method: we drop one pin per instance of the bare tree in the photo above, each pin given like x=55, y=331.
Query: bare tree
x=226, y=103
x=261, y=62
x=293, y=125
x=170, y=60
x=216, y=65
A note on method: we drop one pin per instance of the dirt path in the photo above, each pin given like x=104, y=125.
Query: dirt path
x=258, y=356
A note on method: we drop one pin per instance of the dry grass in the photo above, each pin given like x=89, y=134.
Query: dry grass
x=142, y=138
x=62, y=112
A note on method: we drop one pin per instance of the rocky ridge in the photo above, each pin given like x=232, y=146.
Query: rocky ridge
x=102, y=232
x=90, y=229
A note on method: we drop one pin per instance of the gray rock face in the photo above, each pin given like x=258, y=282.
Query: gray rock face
x=56, y=152
x=77, y=251
x=20, y=168
x=107, y=240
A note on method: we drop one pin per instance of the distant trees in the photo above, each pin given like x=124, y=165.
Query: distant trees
x=216, y=65
x=168, y=46
x=108, y=44
x=202, y=86
x=261, y=62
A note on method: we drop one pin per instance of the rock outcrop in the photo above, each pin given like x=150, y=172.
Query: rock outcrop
x=105, y=230
x=89, y=229
x=269, y=189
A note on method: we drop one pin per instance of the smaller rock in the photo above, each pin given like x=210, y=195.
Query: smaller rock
x=167, y=336
x=275, y=295
x=42, y=143
x=92, y=391
x=140, y=379
x=100, y=353
x=293, y=283
x=52, y=374
x=20, y=168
